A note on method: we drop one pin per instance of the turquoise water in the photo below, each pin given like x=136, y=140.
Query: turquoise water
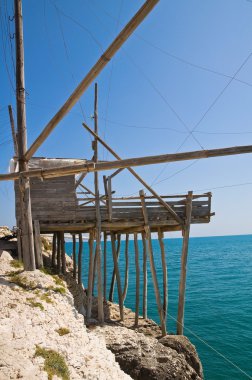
x=218, y=307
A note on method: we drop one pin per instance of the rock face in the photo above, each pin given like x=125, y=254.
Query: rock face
x=33, y=309
x=146, y=358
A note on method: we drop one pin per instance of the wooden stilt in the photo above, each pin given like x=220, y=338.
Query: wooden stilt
x=58, y=254
x=118, y=277
x=126, y=276
x=37, y=245
x=112, y=285
x=137, y=279
x=63, y=253
x=182, y=283
x=19, y=245
x=164, y=268
x=54, y=250
x=105, y=266
x=74, y=257
x=90, y=275
x=152, y=263
x=144, y=276
x=95, y=270
x=80, y=260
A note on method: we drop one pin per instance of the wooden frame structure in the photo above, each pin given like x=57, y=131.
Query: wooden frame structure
x=99, y=213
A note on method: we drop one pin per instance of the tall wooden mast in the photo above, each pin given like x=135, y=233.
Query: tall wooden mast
x=26, y=227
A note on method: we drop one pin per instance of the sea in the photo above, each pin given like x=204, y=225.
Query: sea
x=218, y=308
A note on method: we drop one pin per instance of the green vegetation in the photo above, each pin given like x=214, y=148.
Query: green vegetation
x=58, y=281
x=54, y=363
x=57, y=289
x=45, y=297
x=16, y=264
x=47, y=270
x=63, y=331
x=33, y=303
x=22, y=282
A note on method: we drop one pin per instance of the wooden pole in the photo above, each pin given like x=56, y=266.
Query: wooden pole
x=98, y=217
x=140, y=179
x=109, y=199
x=80, y=260
x=93, y=73
x=144, y=276
x=37, y=245
x=63, y=253
x=54, y=250
x=137, y=279
x=14, y=137
x=58, y=253
x=182, y=283
x=74, y=257
x=164, y=269
x=127, y=163
x=90, y=275
x=126, y=276
x=118, y=277
x=24, y=184
x=112, y=285
x=152, y=263
x=105, y=266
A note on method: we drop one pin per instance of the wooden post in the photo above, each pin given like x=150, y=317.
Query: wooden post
x=80, y=260
x=74, y=257
x=54, y=250
x=19, y=245
x=90, y=275
x=137, y=279
x=94, y=270
x=144, y=276
x=109, y=200
x=164, y=268
x=105, y=266
x=58, y=253
x=152, y=263
x=112, y=285
x=63, y=253
x=182, y=283
x=118, y=277
x=37, y=244
x=126, y=276
x=14, y=138
x=24, y=183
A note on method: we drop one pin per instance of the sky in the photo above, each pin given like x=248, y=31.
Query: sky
x=187, y=67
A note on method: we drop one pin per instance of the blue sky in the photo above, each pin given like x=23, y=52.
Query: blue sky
x=172, y=76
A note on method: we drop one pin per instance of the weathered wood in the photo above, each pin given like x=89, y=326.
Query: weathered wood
x=137, y=279
x=74, y=257
x=90, y=275
x=19, y=245
x=25, y=200
x=98, y=217
x=109, y=200
x=105, y=266
x=112, y=285
x=80, y=260
x=63, y=253
x=37, y=245
x=78, y=181
x=164, y=270
x=152, y=263
x=13, y=132
x=127, y=163
x=58, y=253
x=93, y=73
x=118, y=277
x=145, y=279
x=126, y=275
x=182, y=283
x=149, y=188
x=54, y=250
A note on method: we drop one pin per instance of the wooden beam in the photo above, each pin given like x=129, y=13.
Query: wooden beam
x=54, y=250
x=78, y=181
x=58, y=254
x=182, y=283
x=80, y=260
x=37, y=245
x=144, y=276
x=152, y=263
x=63, y=253
x=112, y=285
x=126, y=275
x=105, y=266
x=93, y=73
x=90, y=275
x=137, y=279
x=164, y=269
x=74, y=257
x=148, y=187
x=14, y=137
x=128, y=162
x=118, y=277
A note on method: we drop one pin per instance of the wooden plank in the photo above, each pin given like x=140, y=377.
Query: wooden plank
x=152, y=263
x=137, y=280
x=80, y=260
x=164, y=270
x=82, y=176
x=109, y=200
x=145, y=279
x=90, y=275
x=126, y=275
x=182, y=283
